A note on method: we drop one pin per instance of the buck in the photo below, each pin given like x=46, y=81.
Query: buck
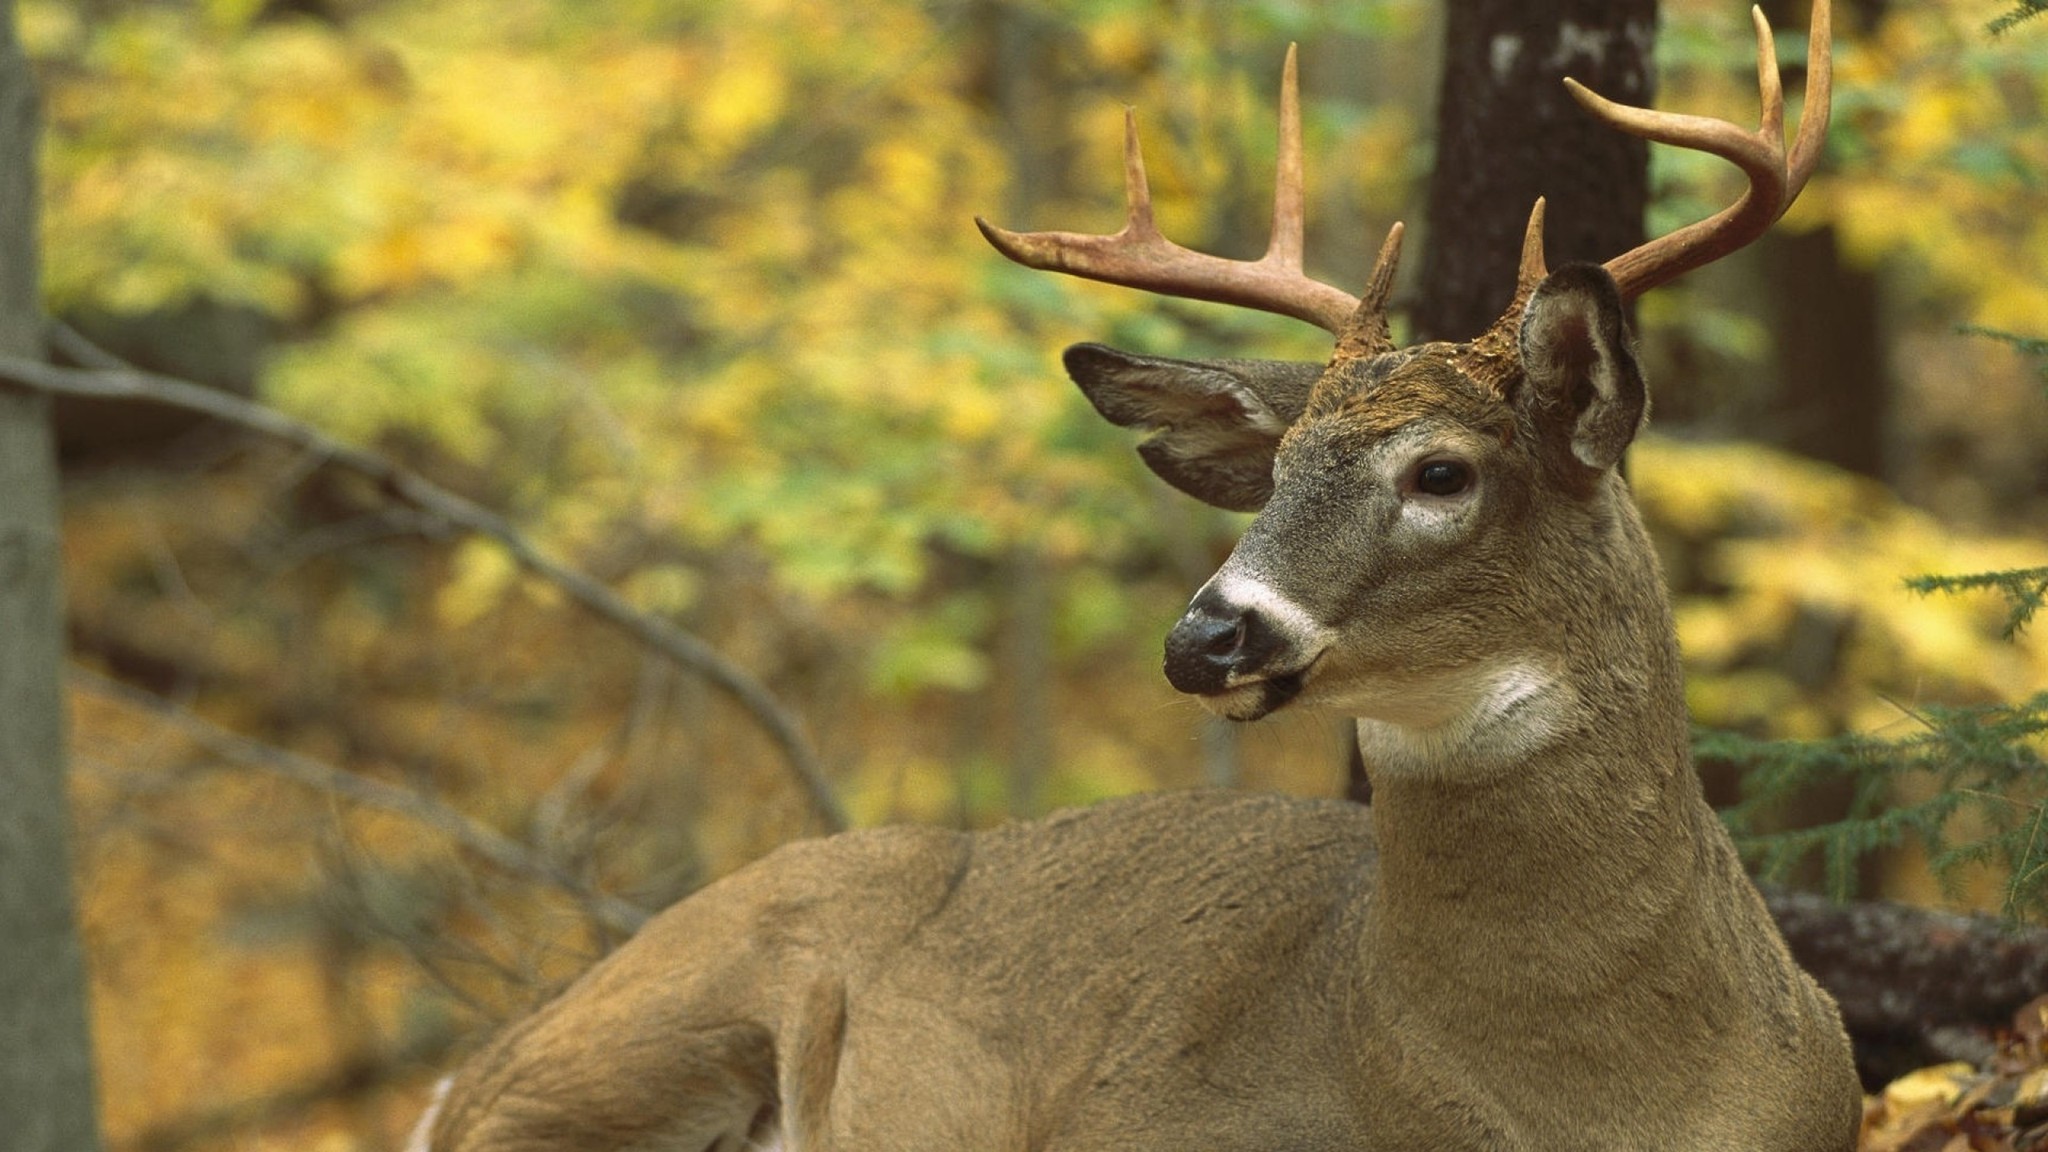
x=1538, y=937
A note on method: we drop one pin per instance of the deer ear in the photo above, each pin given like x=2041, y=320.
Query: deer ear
x=1579, y=365
x=1215, y=423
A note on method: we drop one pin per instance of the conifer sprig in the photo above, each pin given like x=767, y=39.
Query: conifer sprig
x=2032, y=346
x=1984, y=760
x=2026, y=10
x=2025, y=591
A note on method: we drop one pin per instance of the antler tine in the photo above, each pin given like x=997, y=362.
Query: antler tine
x=1137, y=189
x=1138, y=256
x=1820, y=90
x=1770, y=83
x=1773, y=182
x=1367, y=332
x=1493, y=357
x=1533, y=268
x=1284, y=249
x=1379, y=287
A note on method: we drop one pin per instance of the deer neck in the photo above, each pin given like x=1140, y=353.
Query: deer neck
x=1554, y=820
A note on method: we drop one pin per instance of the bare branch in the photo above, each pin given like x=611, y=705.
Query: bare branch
x=108, y=378
x=492, y=845
x=354, y=1076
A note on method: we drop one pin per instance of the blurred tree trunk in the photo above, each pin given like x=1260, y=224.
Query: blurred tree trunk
x=46, y=1085
x=1032, y=105
x=1030, y=669
x=1831, y=396
x=1507, y=132
x=1831, y=392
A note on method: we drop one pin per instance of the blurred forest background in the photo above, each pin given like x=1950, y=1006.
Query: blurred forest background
x=688, y=291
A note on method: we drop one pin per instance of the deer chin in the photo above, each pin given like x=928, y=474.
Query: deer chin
x=1255, y=699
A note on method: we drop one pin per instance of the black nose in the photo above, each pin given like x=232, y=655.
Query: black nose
x=1214, y=640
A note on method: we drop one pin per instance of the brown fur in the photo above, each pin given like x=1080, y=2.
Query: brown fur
x=1538, y=939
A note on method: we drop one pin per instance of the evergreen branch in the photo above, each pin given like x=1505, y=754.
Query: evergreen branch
x=1984, y=761
x=2025, y=345
x=2025, y=589
x=2031, y=346
x=2027, y=10
x=110, y=378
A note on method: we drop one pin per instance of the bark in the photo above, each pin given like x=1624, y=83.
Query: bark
x=1832, y=395
x=1508, y=132
x=46, y=1075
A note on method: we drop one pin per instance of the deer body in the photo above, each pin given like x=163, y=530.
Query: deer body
x=1186, y=971
x=1538, y=939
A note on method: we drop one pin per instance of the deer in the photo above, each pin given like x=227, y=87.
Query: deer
x=1537, y=938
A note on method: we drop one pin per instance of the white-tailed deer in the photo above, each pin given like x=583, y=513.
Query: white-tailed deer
x=1538, y=938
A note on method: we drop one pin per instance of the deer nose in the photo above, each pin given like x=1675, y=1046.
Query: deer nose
x=1215, y=641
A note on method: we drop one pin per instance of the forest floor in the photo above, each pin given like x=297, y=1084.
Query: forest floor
x=2000, y=1106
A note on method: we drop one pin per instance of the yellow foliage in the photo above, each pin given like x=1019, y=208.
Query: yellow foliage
x=665, y=591
x=483, y=573
x=1936, y=151
x=1939, y=1084
x=48, y=27
x=737, y=100
x=1807, y=557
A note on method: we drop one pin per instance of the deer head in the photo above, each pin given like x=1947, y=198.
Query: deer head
x=1422, y=512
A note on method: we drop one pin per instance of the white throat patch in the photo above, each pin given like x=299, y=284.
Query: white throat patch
x=1468, y=722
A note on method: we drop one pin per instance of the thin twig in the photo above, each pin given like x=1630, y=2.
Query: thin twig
x=109, y=379
x=487, y=842
x=355, y=1076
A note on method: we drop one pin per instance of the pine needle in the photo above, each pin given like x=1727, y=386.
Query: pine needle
x=1984, y=761
x=2027, y=10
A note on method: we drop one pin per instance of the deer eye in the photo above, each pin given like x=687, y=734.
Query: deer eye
x=1443, y=477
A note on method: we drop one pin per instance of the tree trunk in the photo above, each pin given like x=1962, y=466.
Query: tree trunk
x=1020, y=49
x=1030, y=669
x=1508, y=132
x=1831, y=394
x=46, y=1085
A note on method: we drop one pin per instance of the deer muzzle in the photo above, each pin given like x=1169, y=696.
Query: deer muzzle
x=1223, y=644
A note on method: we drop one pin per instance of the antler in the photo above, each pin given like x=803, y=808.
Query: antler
x=1774, y=179
x=1138, y=256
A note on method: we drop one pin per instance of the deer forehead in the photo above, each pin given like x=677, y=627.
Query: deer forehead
x=1377, y=396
